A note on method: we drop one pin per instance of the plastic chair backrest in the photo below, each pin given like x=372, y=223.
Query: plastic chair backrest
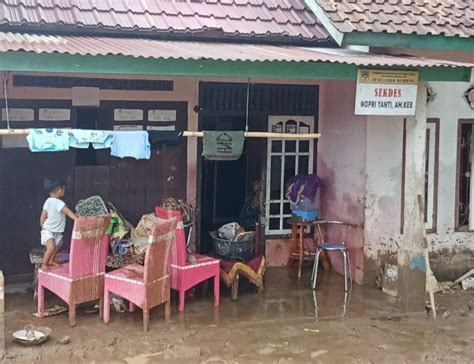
x=89, y=246
x=178, y=251
x=158, y=250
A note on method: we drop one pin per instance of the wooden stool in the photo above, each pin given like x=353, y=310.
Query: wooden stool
x=298, y=227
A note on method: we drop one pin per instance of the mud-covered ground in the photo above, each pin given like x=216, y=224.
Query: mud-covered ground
x=285, y=324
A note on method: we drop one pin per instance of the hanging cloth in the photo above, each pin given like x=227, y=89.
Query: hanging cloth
x=165, y=137
x=302, y=185
x=223, y=145
x=82, y=138
x=48, y=140
x=133, y=144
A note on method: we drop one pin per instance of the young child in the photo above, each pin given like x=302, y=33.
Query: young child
x=53, y=220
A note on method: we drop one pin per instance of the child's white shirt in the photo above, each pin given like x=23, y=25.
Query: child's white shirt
x=56, y=220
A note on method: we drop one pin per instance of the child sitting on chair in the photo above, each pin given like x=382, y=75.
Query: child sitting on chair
x=53, y=220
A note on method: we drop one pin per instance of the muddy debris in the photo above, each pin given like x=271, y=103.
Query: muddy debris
x=267, y=350
x=64, y=340
x=182, y=352
x=318, y=353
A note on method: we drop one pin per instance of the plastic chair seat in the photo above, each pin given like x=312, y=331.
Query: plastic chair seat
x=333, y=246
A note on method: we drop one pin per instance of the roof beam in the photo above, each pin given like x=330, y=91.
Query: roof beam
x=398, y=40
x=110, y=64
x=325, y=21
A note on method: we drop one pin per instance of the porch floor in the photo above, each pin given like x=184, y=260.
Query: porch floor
x=284, y=324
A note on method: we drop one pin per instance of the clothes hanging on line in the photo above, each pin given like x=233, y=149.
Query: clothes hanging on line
x=166, y=137
x=223, y=145
x=134, y=144
x=82, y=138
x=48, y=140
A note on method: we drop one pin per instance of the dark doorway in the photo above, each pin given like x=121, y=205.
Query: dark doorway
x=90, y=118
x=228, y=106
x=223, y=185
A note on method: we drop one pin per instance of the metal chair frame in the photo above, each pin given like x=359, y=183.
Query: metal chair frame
x=339, y=246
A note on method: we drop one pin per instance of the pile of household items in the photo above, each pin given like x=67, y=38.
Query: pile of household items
x=128, y=243
x=231, y=241
x=237, y=249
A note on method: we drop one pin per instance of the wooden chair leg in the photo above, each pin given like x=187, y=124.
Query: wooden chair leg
x=106, y=306
x=325, y=261
x=40, y=301
x=234, y=289
x=146, y=319
x=300, y=251
x=217, y=284
x=168, y=309
x=101, y=308
x=182, y=294
x=72, y=314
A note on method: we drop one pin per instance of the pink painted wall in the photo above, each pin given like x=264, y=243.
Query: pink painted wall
x=341, y=154
x=341, y=164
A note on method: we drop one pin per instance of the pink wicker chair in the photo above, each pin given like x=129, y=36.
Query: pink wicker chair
x=82, y=279
x=145, y=286
x=185, y=275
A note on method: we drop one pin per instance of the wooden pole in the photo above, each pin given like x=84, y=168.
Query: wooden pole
x=257, y=134
x=5, y=132
x=199, y=134
x=411, y=258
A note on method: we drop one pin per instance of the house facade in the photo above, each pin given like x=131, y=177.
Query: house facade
x=191, y=66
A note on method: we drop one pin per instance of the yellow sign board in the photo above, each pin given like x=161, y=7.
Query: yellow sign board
x=386, y=92
x=388, y=77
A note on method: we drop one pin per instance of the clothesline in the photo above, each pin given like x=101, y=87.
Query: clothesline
x=199, y=134
x=259, y=134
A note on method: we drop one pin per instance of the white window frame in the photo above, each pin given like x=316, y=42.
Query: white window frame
x=431, y=161
x=273, y=120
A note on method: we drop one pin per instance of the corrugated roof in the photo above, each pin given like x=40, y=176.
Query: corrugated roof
x=243, y=18
x=436, y=17
x=162, y=49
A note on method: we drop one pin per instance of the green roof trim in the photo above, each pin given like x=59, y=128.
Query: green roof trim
x=110, y=64
x=398, y=40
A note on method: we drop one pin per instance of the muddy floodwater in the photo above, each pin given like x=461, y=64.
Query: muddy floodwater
x=288, y=323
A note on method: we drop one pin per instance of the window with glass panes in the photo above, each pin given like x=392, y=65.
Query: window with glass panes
x=286, y=158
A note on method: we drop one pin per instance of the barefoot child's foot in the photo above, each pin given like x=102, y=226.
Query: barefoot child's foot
x=44, y=267
x=54, y=263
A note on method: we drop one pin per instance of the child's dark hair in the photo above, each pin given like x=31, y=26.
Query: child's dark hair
x=51, y=184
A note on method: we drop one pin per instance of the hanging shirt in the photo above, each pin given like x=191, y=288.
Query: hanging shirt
x=48, y=140
x=82, y=138
x=223, y=145
x=166, y=137
x=133, y=144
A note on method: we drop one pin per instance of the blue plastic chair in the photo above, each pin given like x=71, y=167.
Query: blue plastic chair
x=339, y=246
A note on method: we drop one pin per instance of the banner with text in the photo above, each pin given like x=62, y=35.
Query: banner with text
x=381, y=92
